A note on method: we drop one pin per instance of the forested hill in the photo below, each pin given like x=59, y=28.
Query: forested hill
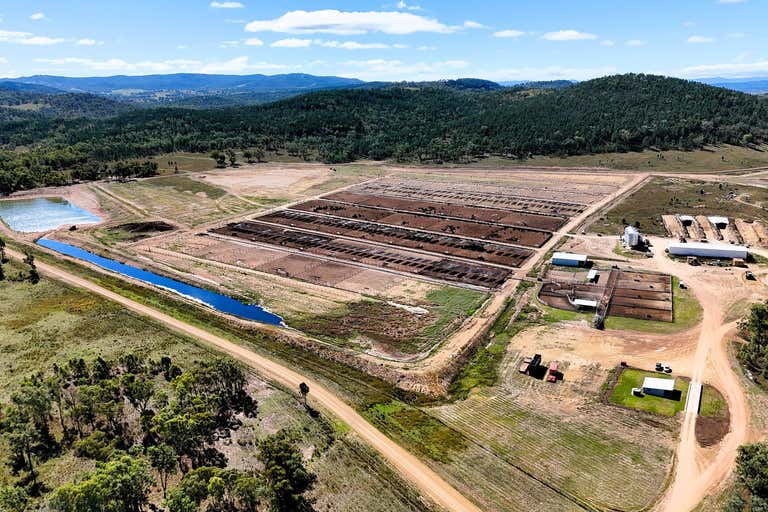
x=428, y=123
x=21, y=104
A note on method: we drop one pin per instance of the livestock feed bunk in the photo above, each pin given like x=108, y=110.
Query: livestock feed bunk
x=466, y=234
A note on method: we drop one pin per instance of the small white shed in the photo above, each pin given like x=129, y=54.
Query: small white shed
x=658, y=387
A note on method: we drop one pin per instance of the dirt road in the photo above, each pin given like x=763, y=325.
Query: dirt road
x=696, y=475
x=412, y=469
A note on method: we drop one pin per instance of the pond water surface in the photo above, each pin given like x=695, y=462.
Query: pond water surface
x=214, y=300
x=43, y=214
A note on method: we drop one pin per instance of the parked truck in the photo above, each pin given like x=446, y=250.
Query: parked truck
x=553, y=372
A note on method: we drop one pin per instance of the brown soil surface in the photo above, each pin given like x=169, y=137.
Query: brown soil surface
x=463, y=228
x=436, y=209
x=396, y=259
x=510, y=256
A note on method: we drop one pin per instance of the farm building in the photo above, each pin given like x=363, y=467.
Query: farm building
x=583, y=304
x=658, y=387
x=592, y=276
x=567, y=259
x=631, y=236
x=719, y=222
x=705, y=250
x=686, y=220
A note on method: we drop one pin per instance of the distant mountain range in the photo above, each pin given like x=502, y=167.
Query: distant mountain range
x=194, y=90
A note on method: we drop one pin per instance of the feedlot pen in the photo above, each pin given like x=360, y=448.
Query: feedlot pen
x=630, y=294
x=462, y=233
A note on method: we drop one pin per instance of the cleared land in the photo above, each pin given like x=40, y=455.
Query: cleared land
x=670, y=196
x=178, y=199
x=707, y=160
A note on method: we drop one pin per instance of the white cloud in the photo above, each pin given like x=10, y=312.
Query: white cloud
x=37, y=16
x=737, y=35
x=568, y=35
x=86, y=42
x=124, y=66
x=182, y=47
x=354, y=45
x=508, y=33
x=227, y=5
x=27, y=38
x=427, y=48
x=292, y=43
x=229, y=44
x=332, y=21
x=607, y=42
x=236, y=65
x=473, y=24
x=546, y=73
x=240, y=65
x=253, y=41
x=3, y=60
x=636, y=42
x=403, y=5
x=730, y=70
x=731, y=1
x=700, y=39
x=380, y=69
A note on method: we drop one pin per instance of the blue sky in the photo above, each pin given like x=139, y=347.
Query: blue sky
x=389, y=40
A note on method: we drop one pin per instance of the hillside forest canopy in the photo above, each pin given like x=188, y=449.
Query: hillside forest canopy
x=457, y=121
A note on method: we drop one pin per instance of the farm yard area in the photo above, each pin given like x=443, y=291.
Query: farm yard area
x=316, y=245
x=694, y=209
x=432, y=280
x=615, y=292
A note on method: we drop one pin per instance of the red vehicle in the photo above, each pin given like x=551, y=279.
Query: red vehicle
x=553, y=373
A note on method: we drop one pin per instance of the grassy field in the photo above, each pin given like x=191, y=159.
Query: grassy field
x=49, y=323
x=631, y=378
x=661, y=196
x=472, y=466
x=712, y=402
x=180, y=199
x=401, y=331
x=593, y=458
x=720, y=158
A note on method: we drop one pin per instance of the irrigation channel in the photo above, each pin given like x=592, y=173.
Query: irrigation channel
x=211, y=299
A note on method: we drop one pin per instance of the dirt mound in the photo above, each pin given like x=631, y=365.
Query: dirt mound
x=146, y=227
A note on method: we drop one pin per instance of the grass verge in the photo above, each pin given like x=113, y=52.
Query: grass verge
x=632, y=378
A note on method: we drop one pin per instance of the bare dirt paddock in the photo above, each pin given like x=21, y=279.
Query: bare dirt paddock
x=447, y=210
x=518, y=235
x=497, y=197
x=440, y=244
x=395, y=259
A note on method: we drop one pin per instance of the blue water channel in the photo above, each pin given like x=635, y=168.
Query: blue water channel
x=214, y=300
x=43, y=214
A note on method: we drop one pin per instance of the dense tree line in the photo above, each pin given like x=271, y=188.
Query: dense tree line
x=751, y=489
x=419, y=123
x=753, y=329
x=140, y=434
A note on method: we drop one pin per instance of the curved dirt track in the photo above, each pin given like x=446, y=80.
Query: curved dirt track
x=696, y=475
x=412, y=469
